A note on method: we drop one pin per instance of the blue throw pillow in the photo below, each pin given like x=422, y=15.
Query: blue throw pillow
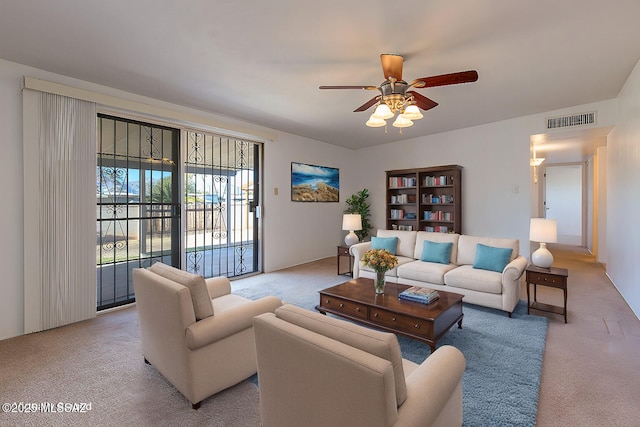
x=436, y=252
x=387, y=243
x=490, y=258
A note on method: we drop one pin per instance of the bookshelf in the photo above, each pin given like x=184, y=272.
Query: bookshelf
x=425, y=199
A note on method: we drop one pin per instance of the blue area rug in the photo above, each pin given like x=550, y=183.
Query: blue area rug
x=504, y=356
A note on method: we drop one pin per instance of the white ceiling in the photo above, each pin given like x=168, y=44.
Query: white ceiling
x=262, y=61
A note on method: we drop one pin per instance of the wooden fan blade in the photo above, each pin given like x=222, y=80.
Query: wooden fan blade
x=367, y=105
x=422, y=101
x=392, y=66
x=447, y=79
x=350, y=87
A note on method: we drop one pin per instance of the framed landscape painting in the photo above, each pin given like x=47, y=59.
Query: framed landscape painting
x=312, y=183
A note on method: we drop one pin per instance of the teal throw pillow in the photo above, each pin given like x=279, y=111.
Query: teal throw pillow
x=490, y=258
x=387, y=243
x=436, y=252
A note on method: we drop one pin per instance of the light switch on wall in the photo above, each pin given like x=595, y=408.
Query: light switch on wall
x=516, y=188
x=275, y=191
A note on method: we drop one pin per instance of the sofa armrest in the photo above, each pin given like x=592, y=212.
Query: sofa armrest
x=435, y=386
x=513, y=271
x=358, y=251
x=219, y=326
x=218, y=286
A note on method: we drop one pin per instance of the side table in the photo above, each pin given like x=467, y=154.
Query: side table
x=553, y=277
x=344, y=251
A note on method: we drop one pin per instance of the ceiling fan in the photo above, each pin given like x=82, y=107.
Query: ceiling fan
x=396, y=96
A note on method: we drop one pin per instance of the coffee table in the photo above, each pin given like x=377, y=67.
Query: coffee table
x=356, y=300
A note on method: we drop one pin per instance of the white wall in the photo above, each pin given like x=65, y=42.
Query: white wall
x=623, y=190
x=297, y=232
x=11, y=218
x=601, y=222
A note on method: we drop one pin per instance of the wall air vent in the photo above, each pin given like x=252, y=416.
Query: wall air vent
x=581, y=119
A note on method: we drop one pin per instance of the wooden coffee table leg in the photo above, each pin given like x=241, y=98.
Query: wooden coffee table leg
x=460, y=324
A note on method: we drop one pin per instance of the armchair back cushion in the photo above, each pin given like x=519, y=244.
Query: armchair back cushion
x=381, y=344
x=202, y=305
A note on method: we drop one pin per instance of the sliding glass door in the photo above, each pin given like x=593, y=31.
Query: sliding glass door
x=138, y=209
x=200, y=214
x=221, y=205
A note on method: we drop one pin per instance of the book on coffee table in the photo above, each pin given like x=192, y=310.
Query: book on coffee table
x=419, y=294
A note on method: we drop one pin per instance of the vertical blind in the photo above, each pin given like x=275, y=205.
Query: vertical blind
x=60, y=217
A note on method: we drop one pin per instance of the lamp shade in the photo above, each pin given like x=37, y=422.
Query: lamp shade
x=402, y=122
x=543, y=230
x=375, y=122
x=412, y=112
x=351, y=222
x=382, y=111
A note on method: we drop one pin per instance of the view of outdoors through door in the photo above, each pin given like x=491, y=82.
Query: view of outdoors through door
x=138, y=210
x=221, y=205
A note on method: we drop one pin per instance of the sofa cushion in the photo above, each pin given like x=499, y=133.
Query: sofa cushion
x=467, y=277
x=428, y=272
x=382, y=344
x=491, y=258
x=421, y=236
x=467, y=246
x=389, y=244
x=406, y=241
x=394, y=271
x=436, y=252
x=202, y=305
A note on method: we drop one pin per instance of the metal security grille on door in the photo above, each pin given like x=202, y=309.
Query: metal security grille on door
x=138, y=209
x=220, y=206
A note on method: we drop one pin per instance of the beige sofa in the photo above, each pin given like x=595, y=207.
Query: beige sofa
x=196, y=333
x=495, y=289
x=315, y=370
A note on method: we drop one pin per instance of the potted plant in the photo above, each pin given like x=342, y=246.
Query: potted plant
x=358, y=204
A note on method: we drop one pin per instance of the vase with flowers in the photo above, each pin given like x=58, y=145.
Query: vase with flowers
x=381, y=261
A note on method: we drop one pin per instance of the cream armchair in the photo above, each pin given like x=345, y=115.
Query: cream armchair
x=196, y=333
x=316, y=370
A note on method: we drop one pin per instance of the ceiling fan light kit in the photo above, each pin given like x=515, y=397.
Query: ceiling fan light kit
x=395, y=96
x=402, y=122
x=383, y=112
x=375, y=122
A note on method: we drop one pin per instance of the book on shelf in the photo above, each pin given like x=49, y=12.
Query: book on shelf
x=396, y=213
x=437, y=181
x=403, y=199
x=419, y=294
x=437, y=216
x=437, y=228
x=401, y=181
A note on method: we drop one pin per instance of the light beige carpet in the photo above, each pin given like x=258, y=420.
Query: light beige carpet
x=99, y=362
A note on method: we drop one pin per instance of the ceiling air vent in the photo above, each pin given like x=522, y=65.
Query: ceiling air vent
x=572, y=120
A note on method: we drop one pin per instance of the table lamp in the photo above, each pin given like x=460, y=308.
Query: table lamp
x=544, y=231
x=351, y=223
